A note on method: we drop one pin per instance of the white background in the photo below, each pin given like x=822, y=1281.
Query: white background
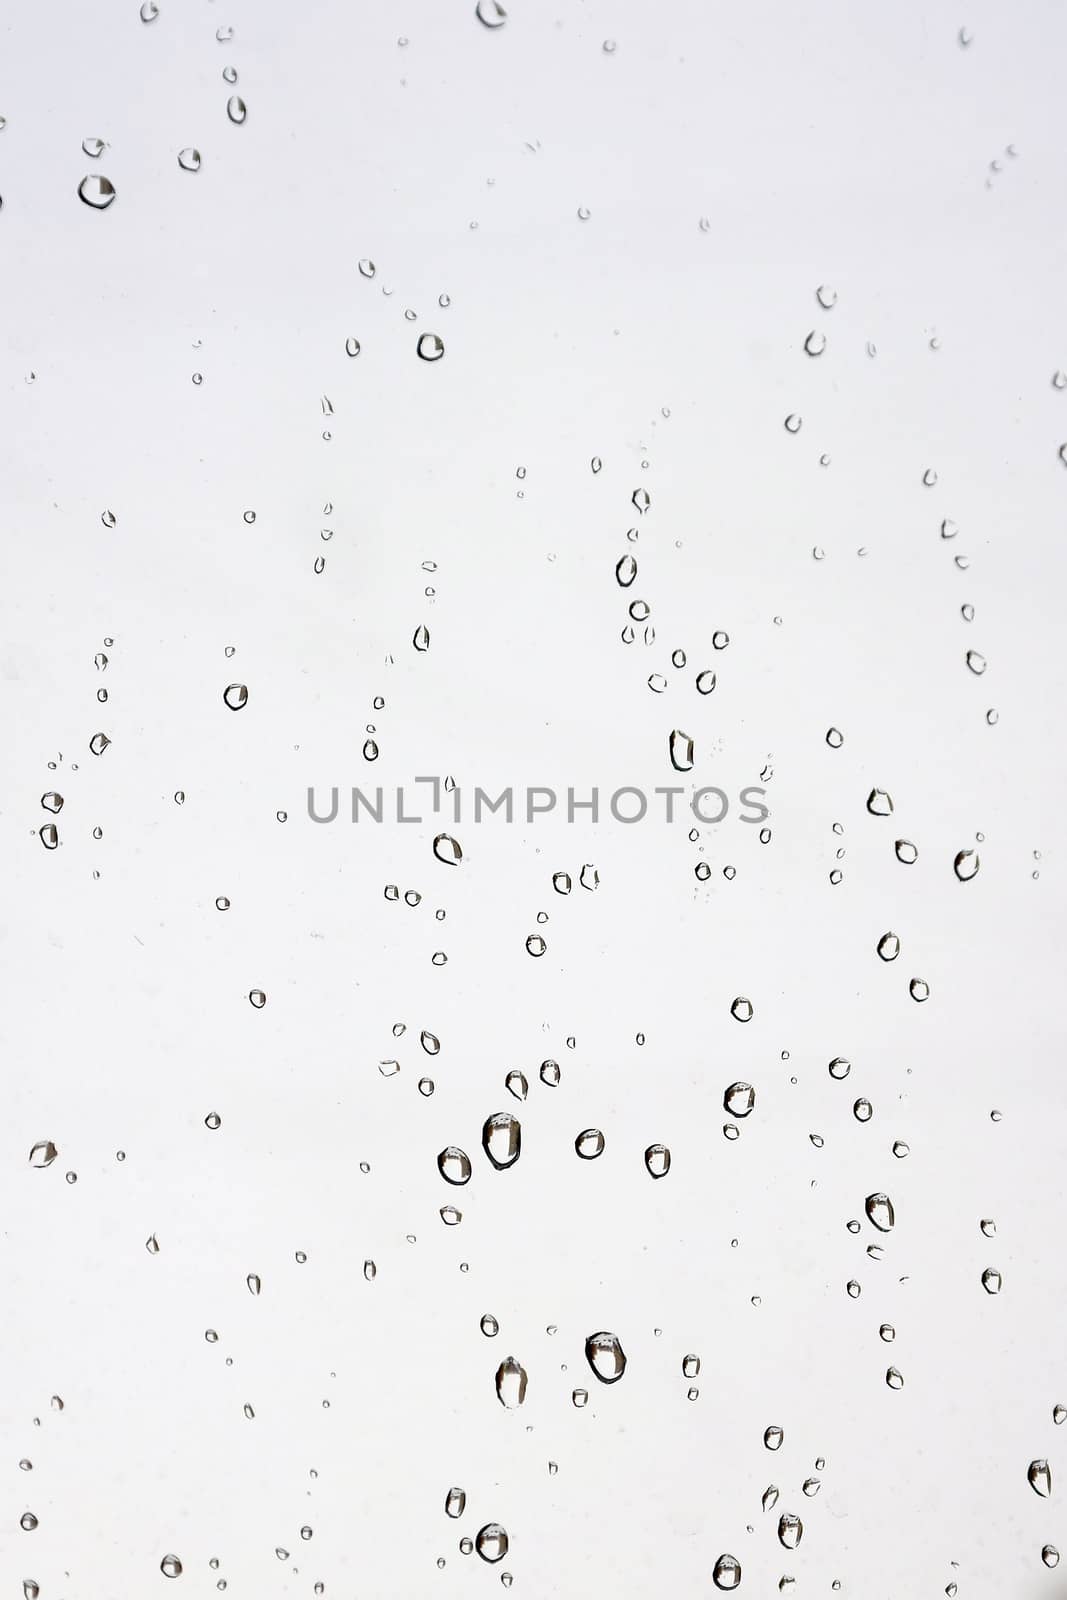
x=839, y=145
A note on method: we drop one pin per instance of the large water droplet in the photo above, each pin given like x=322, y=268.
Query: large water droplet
x=515, y=1083
x=773, y=1436
x=605, y=1355
x=430, y=347
x=235, y=695
x=879, y=803
x=491, y=1542
x=790, y=1530
x=455, y=1502
x=589, y=1144
x=991, y=1280
x=879, y=1209
x=96, y=191
x=681, y=751
x=511, y=1383
x=726, y=1573
x=170, y=1567
x=447, y=849
x=739, y=1099
x=236, y=109
x=502, y=1139
x=1039, y=1477
x=658, y=1160
x=889, y=947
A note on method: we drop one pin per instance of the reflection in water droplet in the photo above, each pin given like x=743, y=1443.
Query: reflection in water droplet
x=455, y=1502
x=511, y=1383
x=726, y=1573
x=430, y=347
x=879, y=1209
x=589, y=1144
x=658, y=1160
x=502, y=1139
x=605, y=1355
x=491, y=1542
x=1039, y=1477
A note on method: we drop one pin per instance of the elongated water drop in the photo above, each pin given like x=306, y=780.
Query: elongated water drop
x=966, y=865
x=790, y=1530
x=1039, y=1477
x=502, y=1139
x=448, y=850
x=658, y=1160
x=454, y=1165
x=236, y=109
x=879, y=1209
x=680, y=748
x=511, y=1383
x=455, y=1502
x=605, y=1355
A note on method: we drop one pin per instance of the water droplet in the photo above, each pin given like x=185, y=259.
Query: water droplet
x=741, y=1009
x=726, y=1573
x=43, y=1154
x=690, y=1366
x=236, y=696
x=455, y=1502
x=815, y=343
x=793, y=423
x=561, y=882
x=966, y=865
x=254, y=1282
x=626, y=571
x=976, y=662
x=229, y=74
x=1059, y=1415
x=826, y=296
x=430, y=347
x=889, y=947
x=658, y=1160
x=579, y=1398
x=772, y=1437
x=189, y=159
x=149, y=11
x=863, y=1111
x=370, y=1271
x=605, y=1355
x=879, y=1209
x=490, y=13
x=170, y=1567
x=991, y=1280
x=511, y=1383
x=1050, y=1555
x=919, y=990
x=739, y=1099
x=236, y=109
x=1039, y=1478
x=550, y=1073
x=151, y=1244
x=879, y=803
x=447, y=849
x=99, y=743
x=589, y=1144
x=906, y=852
x=258, y=998
x=49, y=836
x=502, y=1139
x=790, y=1530
x=454, y=1165
x=839, y=1067
x=535, y=945
x=516, y=1084
x=213, y=1121
x=489, y=1326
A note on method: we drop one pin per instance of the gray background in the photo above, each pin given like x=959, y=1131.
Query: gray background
x=839, y=145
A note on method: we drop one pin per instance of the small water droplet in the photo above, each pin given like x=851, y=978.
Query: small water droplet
x=815, y=343
x=236, y=109
x=879, y=803
x=739, y=1099
x=790, y=1530
x=1039, y=1477
x=454, y=1165
x=589, y=1144
x=236, y=696
x=170, y=1567
x=889, y=947
x=189, y=159
x=772, y=1437
x=658, y=1160
x=741, y=1009
x=1050, y=1555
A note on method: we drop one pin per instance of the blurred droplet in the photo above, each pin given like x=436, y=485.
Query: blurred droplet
x=236, y=109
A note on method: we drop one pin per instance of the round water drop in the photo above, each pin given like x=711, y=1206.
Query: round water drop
x=489, y=1326
x=535, y=945
x=258, y=998
x=889, y=947
x=690, y=1366
x=879, y=1209
x=726, y=1573
x=170, y=1567
x=189, y=159
x=863, y=1111
x=919, y=990
x=235, y=695
x=454, y=1165
x=1050, y=1555
x=96, y=191
x=976, y=662
x=772, y=1437
x=906, y=852
x=625, y=571
x=549, y=1073
x=839, y=1067
x=741, y=1009
x=815, y=343
x=589, y=1144
x=605, y=1355
x=991, y=1280
x=739, y=1099
x=511, y=1383
x=236, y=109
x=705, y=682
x=793, y=423
x=430, y=347
x=966, y=865
x=502, y=1139
x=658, y=1160
x=894, y=1378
